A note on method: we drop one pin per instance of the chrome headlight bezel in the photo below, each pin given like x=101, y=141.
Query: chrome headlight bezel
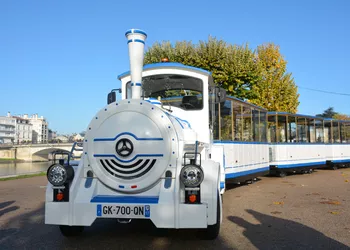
x=192, y=175
x=57, y=174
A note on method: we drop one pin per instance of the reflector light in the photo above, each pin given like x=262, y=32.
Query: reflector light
x=59, y=196
x=135, y=186
x=192, y=198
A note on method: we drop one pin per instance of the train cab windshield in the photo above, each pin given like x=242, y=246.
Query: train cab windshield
x=172, y=90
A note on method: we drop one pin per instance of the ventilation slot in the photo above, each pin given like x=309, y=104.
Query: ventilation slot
x=128, y=172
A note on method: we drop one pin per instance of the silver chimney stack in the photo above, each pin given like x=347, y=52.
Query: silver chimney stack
x=136, y=43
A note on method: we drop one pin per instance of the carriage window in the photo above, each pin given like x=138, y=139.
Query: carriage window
x=237, y=119
x=327, y=132
x=336, y=132
x=216, y=129
x=292, y=129
x=319, y=131
x=247, y=124
x=312, y=132
x=347, y=132
x=302, y=130
x=256, y=125
x=342, y=132
x=263, y=126
x=178, y=91
x=282, y=128
x=226, y=120
x=272, y=128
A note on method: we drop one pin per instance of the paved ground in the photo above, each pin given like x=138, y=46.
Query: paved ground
x=296, y=212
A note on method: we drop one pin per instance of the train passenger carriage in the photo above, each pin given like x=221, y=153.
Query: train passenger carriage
x=240, y=129
x=337, y=139
x=296, y=143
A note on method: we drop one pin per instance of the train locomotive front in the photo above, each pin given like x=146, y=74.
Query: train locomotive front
x=139, y=162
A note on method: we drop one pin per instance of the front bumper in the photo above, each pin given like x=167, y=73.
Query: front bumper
x=162, y=215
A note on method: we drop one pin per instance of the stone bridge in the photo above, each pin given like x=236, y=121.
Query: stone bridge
x=33, y=152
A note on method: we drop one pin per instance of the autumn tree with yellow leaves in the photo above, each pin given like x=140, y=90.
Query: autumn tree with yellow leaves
x=276, y=90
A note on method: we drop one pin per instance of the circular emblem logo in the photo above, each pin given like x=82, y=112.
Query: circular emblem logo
x=124, y=147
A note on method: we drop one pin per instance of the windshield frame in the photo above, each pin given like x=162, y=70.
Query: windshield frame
x=197, y=91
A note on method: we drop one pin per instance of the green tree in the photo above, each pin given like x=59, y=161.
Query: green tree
x=259, y=77
x=233, y=67
x=276, y=90
x=328, y=113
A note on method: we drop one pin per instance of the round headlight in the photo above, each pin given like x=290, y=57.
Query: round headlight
x=191, y=175
x=57, y=175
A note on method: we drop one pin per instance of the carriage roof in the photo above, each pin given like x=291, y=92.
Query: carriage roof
x=306, y=116
x=174, y=65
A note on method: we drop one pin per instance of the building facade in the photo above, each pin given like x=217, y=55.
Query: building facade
x=40, y=131
x=7, y=129
x=52, y=135
x=24, y=130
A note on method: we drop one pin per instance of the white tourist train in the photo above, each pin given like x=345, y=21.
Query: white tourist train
x=167, y=149
x=147, y=156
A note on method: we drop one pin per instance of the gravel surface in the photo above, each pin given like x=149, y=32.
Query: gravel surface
x=297, y=212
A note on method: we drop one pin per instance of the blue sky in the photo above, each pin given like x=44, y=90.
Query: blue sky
x=60, y=58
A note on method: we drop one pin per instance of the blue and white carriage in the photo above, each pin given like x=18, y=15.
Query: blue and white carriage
x=301, y=143
x=240, y=132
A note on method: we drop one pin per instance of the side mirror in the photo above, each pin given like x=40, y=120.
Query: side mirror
x=220, y=95
x=111, y=97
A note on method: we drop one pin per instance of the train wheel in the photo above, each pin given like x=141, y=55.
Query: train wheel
x=310, y=171
x=70, y=231
x=334, y=167
x=281, y=174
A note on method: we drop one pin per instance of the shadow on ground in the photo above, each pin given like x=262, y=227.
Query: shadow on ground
x=5, y=207
x=277, y=233
x=231, y=185
x=28, y=231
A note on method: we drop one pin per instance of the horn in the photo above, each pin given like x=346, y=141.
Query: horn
x=136, y=43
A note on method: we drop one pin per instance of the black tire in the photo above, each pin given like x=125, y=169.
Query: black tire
x=212, y=231
x=281, y=174
x=70, y=231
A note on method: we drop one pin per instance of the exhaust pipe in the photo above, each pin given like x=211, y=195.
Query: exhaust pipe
x=136, y=43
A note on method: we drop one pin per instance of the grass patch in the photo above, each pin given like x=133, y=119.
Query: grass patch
x=5, y=160
x=22, y=176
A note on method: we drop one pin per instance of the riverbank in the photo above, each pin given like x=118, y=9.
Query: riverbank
x=10, y=160
x=22, y=176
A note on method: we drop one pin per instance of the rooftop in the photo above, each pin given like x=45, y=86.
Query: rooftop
x=167, y=65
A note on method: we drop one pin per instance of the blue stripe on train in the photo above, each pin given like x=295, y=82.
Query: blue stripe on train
x=296, y=165
x=248, y=172
x=341, y=161
x=125, y=199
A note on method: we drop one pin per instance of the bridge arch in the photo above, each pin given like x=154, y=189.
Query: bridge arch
x=45, y=154
x=39, y=152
